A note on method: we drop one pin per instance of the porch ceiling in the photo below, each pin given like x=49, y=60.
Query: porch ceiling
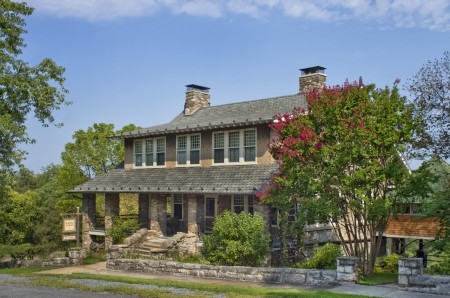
x=239, y=179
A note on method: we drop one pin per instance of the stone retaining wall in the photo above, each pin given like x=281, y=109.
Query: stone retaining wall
x=35, y=263
x=255, y=274
x=410, y=277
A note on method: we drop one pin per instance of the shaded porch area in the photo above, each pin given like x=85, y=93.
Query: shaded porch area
x=172, y=200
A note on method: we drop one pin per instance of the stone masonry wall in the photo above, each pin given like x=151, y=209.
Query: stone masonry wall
x=254, y=274
x=410, y=277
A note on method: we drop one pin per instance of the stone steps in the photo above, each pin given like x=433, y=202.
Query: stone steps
x=152, y=253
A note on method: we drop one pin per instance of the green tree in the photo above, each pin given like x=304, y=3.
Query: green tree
x=20, y=217
x=93, y=151
x=340, y=162
x=23, y=88
x=430, y=90
x=237, y=240
x=24, y=179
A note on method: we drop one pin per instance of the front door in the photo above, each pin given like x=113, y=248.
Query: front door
x=210, y=213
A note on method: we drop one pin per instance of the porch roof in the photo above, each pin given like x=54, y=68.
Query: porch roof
x=238, y=179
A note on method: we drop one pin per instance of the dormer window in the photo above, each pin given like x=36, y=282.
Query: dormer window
x=238, y=146
x=150, y=152
x=188, y=149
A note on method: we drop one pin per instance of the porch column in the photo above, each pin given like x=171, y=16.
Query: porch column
x=144, y=210
x=111, y=211
x=158, y=213
x=192, y=226
x=262, y=210
x=88, y=219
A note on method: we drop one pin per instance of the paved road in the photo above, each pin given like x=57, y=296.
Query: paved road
x=7, y=290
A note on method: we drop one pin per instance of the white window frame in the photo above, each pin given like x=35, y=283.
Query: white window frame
x=143, y=152
x=226, y=148
x=246, y=201
x=189, y=149
x=175, y=199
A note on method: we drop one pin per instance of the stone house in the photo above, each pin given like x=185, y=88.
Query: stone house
x=206, y=160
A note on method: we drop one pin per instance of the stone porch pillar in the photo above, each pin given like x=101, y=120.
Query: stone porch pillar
x=111, y=211
x=144, y=205
x=192, y=226
x=158, y=213
x=262, y=210
x=88, y=219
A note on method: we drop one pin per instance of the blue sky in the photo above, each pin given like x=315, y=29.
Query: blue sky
x=128, y=61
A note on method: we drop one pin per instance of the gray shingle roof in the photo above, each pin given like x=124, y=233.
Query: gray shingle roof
x=223, y=116
x=239, y=179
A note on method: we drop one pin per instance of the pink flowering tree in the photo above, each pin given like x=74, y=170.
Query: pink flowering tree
x=340, y=162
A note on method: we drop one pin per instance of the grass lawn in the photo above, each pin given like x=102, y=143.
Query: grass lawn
x=204, y=290
x=378, y=278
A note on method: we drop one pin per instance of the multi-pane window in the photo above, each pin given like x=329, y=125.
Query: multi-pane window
x=188, y=149
x=234, y=146
x=160, y=151
x=181, y=150
x=194, y=154
x=175, y=206
x=149, y=152
x=146, y=150
x=138, y=153
x=242, y=203
x=249, y=145
x=219, y=147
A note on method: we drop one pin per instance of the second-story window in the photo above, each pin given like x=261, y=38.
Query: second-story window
x=219, y=147
x=250, y=145
x=150, y=152
x=138, y=153
x=188, y=149
x=160, y=151
x=234, y=146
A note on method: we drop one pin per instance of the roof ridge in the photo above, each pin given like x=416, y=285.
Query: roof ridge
x=234, y=103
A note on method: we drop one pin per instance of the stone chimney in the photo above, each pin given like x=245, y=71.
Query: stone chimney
x=312, y=78
x=197, y=97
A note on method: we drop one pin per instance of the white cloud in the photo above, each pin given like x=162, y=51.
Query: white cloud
x=431, y=14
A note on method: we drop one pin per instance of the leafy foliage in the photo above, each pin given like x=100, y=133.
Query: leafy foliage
x=430, y=89
x=387, y=263
x=324, y=258
x=93, y=152
x=443, y=265
x=340, y=162
x=122, y=228
x=23, y=88
x=237, y=240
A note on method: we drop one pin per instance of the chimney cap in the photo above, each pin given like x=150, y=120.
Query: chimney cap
x=193, y=87
x=312, y=70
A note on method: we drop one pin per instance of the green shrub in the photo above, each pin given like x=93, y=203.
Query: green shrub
x=387, y=263
x=94, y=257
x=237, y=240
x=189, y=258
x=324, y=258
x=122, y=228
x=441, y=267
